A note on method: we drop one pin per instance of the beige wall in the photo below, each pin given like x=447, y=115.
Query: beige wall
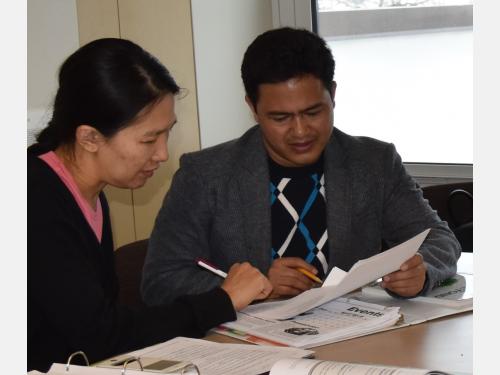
x=222, y=32
x=223, y=28
x=52, y=35
x=162, y=27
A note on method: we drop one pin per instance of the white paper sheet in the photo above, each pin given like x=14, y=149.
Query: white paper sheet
x=211, y=358
x=221, y=359
x=60, y=369
x=339, y=282
x=318, y=367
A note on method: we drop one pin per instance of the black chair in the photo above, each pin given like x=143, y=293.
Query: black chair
x=129, y=260
x=453, y=203
x=460, y=207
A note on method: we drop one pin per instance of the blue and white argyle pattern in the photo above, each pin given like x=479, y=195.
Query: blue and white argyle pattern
x=298, y=208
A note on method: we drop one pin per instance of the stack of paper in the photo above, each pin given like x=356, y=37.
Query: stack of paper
x=453, y=296
x=334, y=321
x=456, y=292
x=215, y=358
x=60, y=369
x=317, y=367
x=209, y=358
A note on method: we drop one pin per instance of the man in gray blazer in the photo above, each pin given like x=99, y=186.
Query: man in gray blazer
x=293, y=192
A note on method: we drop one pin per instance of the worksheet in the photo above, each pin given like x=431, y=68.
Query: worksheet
x=213, y=358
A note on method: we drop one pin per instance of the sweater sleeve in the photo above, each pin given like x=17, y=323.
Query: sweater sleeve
x=180, y=235
x=406, y=214
x=189, y=315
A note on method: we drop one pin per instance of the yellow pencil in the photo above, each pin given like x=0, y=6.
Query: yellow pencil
x=310, y=275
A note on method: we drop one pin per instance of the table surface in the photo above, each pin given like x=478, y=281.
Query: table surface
x=441, y=344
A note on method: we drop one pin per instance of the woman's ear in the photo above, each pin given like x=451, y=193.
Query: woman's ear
x=88, y=137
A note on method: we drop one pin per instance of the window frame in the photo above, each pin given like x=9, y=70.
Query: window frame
x=390, y=20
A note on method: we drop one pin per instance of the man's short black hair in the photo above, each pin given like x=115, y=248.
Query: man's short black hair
x=281, y=54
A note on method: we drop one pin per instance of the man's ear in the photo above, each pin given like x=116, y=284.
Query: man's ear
x=252, y=108
x=332, y=93
x=88, y=137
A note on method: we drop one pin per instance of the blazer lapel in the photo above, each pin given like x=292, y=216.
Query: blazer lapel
x=338, y=191
x=253, y=184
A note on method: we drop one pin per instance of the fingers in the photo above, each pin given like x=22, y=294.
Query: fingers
x=286, y=279
x=267, y=288
x=290, y=277
x=409, y=290
x=263, y=285
x=414, y=261
x=289, y=288
x=409, y=269
x=409, y=280
x=244, y=284
x=294, y=262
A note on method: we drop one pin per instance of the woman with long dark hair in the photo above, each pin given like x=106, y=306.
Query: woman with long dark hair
x=112, y=115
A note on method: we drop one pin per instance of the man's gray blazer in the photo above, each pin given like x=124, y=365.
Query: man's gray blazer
x=218, y=208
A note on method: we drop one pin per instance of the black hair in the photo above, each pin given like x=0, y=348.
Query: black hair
x=281, y=54
x=104, y=84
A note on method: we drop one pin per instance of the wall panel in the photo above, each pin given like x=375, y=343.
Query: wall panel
x=99, y=19
x=163, y=27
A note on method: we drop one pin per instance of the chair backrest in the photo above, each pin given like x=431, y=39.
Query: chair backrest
x=460, y=207
x=453, y=203
x=129, y=260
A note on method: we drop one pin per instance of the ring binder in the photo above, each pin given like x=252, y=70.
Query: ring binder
x=74, y=354
x=184, y=356
x=189, y=367
x=149, y=365
x=131, y=359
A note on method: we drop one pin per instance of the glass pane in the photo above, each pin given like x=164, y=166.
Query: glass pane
x=414, y=90
x=336, y=5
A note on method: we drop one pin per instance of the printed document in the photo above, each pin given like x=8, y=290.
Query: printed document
x=317, y=367
x=220, y=359
x=60, y=369
x=453, y=296
x=340, y=282
x=334, y=321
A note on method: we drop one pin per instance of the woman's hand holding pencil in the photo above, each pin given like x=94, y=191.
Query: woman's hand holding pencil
x=243, y=283
x=288, y=276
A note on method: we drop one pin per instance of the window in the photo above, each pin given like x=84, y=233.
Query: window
x=355, y=17
x=404, y=75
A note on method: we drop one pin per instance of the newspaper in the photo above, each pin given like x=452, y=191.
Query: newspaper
x=334, y=321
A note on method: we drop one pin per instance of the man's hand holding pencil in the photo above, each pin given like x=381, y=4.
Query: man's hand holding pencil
x=291, y=276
